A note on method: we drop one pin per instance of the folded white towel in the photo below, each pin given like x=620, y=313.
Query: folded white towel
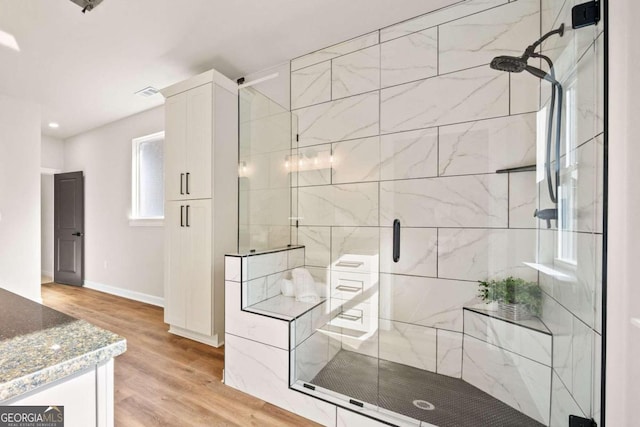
x=287, y=288
x=305, y=286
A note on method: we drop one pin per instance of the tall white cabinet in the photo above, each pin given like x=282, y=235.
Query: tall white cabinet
x=201, y=200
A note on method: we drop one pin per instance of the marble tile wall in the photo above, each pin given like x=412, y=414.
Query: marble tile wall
x=410, y=123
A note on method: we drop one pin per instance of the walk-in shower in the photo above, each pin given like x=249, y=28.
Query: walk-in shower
x=408, y=165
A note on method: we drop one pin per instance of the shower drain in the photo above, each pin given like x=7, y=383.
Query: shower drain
x=423, y=404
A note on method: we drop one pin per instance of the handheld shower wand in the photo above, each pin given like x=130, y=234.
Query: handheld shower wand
x=518, y=64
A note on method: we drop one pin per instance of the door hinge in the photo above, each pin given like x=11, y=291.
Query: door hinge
x=297, y=137
x=240, y=81
x=575, y=421
x=585, y=14
x=297, y=223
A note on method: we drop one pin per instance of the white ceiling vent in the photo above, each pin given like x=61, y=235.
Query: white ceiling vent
x=147, y=91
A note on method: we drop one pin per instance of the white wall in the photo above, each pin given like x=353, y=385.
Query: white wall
x=623, y=305
x=116, y=254
x=20, y=197
x=52, y=161
x=52, y=153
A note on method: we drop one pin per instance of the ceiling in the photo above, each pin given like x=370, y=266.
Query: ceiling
x=84, y=69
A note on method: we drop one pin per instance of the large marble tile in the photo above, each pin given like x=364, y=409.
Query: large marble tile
x=311, y=85
x=560, y=323
x=360, y=244
x=311, y=356
x=263, y=371
x=265, y=264
x=524, y=92
x=349, y=118
x=449, y=353
x=335, y=50
x=296, y=258
x=476, y=254
x=266, y=207
x=266, y=134
x=317, y=242
x=523, y=198
x=356, y=160
x=549, y=10
x=517, y=381
x=474, y=94
x=576, y=289
x=596, y=402
x=582, y=181
x=437, y=17
x=339, y=205
x=409, y=58
x=312, y=165
x=488, y=145
x=418, y=252
x=233, y=268
x=598, y=285
x=356, y=73
x=526, y=342
x=600, y=81
x=265, y=170
x=406, y=155
x=258, y=328
x=408, y=344
x=347, y=418
x=464, y=201
x=562, y=404
x=476, y=39
x=256, y=290
x=582, y=365
x=425, y=301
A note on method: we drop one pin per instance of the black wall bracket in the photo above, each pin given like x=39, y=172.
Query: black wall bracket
x=585, y=14
x=575, y=421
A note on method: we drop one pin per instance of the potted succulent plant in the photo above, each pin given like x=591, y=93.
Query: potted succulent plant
x=517, y=299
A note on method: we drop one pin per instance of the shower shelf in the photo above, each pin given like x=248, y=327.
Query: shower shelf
x=534, y=324
x=529, y=168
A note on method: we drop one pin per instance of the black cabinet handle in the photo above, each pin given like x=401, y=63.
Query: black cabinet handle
x=396, y=240
x=188, y=225
x=181, y=190
x=181, y=216
x=188, y=185
x=78, y=234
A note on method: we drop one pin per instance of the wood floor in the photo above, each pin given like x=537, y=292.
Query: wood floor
x=162, y=379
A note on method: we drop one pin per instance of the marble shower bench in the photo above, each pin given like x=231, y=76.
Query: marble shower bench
x=508, y=359
x=262, y=329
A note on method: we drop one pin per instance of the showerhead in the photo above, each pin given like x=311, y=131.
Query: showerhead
x=511, y=64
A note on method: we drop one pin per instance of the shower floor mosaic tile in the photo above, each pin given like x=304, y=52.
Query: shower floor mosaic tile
x=447, y=402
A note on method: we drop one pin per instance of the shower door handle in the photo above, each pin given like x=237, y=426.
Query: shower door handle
x=396, y=240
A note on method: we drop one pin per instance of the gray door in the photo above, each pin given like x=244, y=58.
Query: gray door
x=68, y=235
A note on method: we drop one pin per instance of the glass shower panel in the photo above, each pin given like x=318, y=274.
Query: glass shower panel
x=432, y=176
x=264, y=188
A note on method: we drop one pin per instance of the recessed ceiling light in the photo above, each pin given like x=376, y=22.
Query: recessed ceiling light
x=54, y=125
x=147, y=91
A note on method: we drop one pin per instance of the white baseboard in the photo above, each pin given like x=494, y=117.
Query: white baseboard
x=204, y=339
x=125, y=293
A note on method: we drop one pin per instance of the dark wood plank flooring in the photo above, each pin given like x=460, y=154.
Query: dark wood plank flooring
x=163, y=379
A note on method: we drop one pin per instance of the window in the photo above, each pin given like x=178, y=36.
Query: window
x=147, y=185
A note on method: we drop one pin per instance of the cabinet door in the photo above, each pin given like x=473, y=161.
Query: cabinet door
x=199, y=295
x=176, y=255
x=199, y=140
x=175, y=143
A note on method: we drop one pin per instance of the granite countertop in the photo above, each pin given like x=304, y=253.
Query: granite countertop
x=39, y=345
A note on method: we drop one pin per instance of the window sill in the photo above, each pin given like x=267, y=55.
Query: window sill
x=146, y=222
